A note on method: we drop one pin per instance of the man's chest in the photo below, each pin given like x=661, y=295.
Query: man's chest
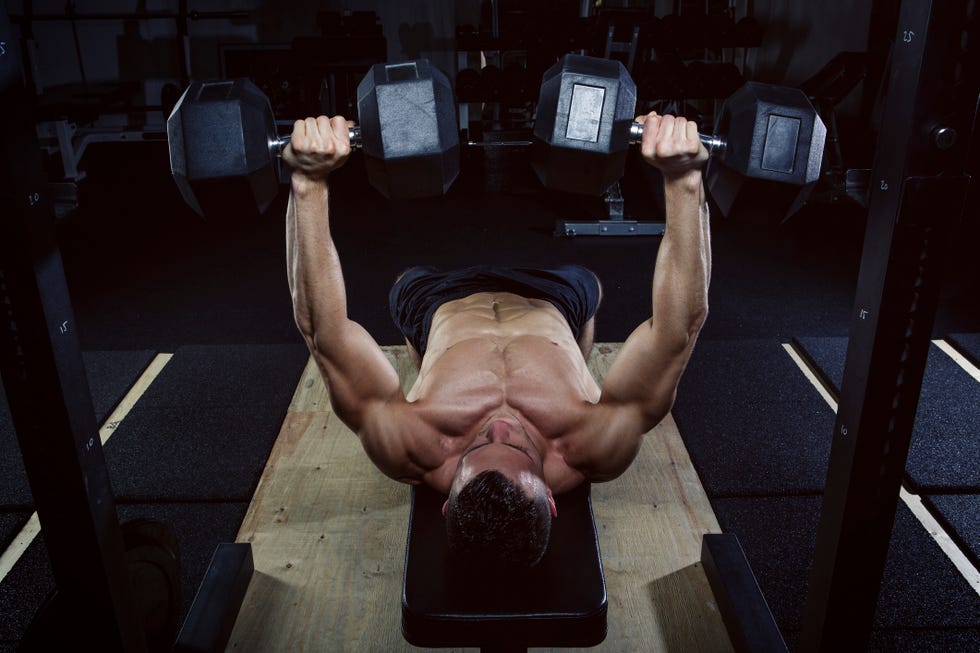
x=534, y=375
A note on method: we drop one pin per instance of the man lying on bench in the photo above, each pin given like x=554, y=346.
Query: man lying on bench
x=504, y=413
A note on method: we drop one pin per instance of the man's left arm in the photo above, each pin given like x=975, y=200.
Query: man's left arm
x=641, y=384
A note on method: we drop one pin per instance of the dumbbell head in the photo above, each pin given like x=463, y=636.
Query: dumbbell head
x=407, y=115
x=585, y=108
x=775, y=141
x=220, y=136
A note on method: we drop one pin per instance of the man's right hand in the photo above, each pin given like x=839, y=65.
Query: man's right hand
x=672, y=145
x=318, y=146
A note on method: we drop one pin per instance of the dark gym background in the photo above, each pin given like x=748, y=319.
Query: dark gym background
x=146, y=273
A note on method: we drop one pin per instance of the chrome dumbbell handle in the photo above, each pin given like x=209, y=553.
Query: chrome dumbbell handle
x=279, y=143
x=714, y=144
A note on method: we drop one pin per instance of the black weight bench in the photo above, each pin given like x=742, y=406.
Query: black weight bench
x=560, y=602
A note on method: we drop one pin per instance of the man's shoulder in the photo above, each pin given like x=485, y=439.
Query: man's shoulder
x=604, y=442
x=401, y=441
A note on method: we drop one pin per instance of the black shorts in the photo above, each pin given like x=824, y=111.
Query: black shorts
x=415, y=297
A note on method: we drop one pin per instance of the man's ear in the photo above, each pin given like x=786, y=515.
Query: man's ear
x=445, y=505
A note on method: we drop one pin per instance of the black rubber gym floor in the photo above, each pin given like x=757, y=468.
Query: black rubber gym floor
x=968, y=344
x=752, y=423
x=110, y=375
x=759, y=436
x=208, y=421
x=945, y=444
x=921, y=592
x=199, y=529
x=147, y=276
x=190, y=452
x=942, y=463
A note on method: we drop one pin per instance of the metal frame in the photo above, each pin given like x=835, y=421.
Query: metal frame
x=614, y=226
x=743, y=608
x=918, y=188
x=69, y=141
x=51, y=408
x=212, y=616
x=47, y=389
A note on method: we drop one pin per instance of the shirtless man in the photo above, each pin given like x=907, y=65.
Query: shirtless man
x=505, y=413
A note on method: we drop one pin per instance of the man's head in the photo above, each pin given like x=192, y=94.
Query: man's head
x=499, y=509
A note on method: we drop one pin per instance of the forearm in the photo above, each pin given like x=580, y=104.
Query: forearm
x=683, y=268
x=316, y=281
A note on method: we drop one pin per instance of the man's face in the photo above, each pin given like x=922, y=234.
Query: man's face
x=504, y=445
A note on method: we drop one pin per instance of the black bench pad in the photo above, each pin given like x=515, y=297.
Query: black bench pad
x=560, y=602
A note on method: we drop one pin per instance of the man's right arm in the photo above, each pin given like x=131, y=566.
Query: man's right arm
x=364, y=387
x=640, y=386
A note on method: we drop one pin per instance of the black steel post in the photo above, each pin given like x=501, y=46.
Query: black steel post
x=918, y=187
x=748, y=620
x=183, y=44
x=48, y=392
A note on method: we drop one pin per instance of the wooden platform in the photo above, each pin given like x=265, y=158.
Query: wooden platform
x=328, y=535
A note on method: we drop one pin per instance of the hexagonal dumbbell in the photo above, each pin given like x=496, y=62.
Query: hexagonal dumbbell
x=224, y=143
x=584, y=126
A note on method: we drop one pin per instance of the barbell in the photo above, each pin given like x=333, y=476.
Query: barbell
x=224, y=142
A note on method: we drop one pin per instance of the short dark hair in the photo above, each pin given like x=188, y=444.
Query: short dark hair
x=493, y=521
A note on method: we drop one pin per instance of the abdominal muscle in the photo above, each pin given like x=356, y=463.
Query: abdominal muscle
x=498, y=352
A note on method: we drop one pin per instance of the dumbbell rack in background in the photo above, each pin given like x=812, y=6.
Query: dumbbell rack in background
x=501, y=62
